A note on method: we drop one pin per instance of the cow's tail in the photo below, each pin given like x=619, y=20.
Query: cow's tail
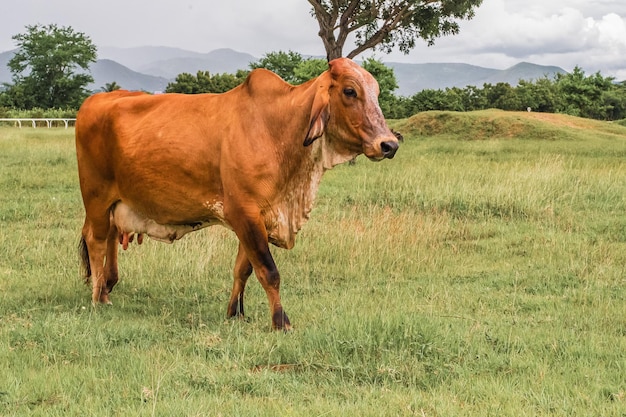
x=84, y=257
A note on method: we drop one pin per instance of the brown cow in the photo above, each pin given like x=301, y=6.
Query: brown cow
x=250, y=159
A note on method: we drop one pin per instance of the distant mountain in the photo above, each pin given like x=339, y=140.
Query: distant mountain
x=5, y=74
x=417, y=77
x=524, y=71
x=151, y=68
x=169, y=62
x=217, y=62
x=106, y=71
x=136, y=58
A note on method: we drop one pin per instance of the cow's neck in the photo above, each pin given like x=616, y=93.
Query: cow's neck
x=305, y=166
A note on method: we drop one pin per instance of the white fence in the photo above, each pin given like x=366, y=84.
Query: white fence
x=50, y=122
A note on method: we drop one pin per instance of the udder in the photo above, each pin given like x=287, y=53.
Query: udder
x=130, y=222
x=126, y=238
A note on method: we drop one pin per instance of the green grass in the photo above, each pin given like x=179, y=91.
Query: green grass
x=481, y=272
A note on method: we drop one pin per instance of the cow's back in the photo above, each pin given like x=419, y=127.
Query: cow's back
x=95, y=132
x=154, y=153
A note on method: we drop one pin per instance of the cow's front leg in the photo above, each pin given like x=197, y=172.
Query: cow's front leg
x=253, y=236
x=243, y=270
x=269, y=278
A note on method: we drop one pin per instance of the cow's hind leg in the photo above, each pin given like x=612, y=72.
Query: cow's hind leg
x=96, y=242
x=243, y=270
x=110, y=268
x=84, y=258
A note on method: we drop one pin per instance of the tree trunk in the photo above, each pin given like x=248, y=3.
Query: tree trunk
x=334, y=52
x=327, y=22
x=333, y=47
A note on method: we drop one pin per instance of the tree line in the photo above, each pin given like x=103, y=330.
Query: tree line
x=51, y=71
x=577, y=94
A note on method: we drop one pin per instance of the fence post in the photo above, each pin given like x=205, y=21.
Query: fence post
x=33, y=121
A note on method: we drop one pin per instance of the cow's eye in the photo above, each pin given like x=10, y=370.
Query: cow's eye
x=349, y=92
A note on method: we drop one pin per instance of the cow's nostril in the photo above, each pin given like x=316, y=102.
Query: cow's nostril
x=389, y=149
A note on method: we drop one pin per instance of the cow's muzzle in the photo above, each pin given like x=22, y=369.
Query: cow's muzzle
x=388, y=149
x=384, y=147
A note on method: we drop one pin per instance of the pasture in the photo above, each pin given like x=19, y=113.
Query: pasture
x=482, y=272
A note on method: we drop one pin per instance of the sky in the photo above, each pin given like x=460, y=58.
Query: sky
x=590, y=34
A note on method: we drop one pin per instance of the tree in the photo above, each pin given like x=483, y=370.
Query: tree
x=291, y=66
x=204, y=82
x=309, y=69
x=427, y=100
x=473, y=98
x=615, y=102
x=282, y=63
x=50, y=68
x=221, y=83
x=502, y=96
x=539, y=95
x=386, y=24
x=113, y=86
x=187, y=83
x=581, y=95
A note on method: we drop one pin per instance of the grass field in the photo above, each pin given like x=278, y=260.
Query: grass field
x=482, y=272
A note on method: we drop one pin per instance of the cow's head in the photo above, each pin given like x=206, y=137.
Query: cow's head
x=346, y=111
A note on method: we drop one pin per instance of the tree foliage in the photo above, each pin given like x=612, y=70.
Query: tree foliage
x=581, y=95
x=309, y=69
x=50, y=68
x=112, y=86
x=282, y=63
x=387, y=24
x=204, y=82
x=291, y=66
x=576, y=94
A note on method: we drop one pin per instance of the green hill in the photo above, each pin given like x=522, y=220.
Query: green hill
x=490, y=124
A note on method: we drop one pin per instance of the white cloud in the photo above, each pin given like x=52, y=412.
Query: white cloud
x=566, y=33
x=589, y=34
x=521, y=35
x=612, y=32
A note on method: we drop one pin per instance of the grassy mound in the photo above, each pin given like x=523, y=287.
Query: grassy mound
x=498, y=124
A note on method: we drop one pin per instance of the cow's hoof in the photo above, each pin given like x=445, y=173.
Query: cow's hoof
x=280, y=321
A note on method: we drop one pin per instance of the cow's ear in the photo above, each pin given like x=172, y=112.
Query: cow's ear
x=317, y=126
x=319, y=117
